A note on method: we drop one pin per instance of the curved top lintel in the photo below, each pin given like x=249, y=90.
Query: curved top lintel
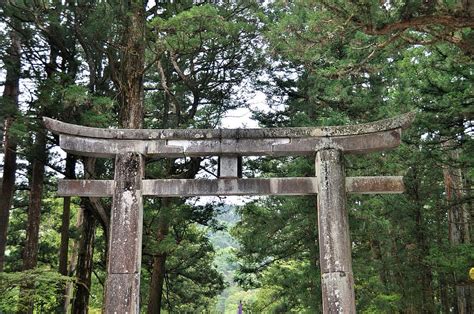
x=398, y=122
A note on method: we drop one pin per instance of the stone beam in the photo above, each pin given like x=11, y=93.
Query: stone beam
x=398, y=122
x=231, y=186
x=95, y=147
x=86, y=188
x=355, y=144
x=375, y=185
x=352, y=144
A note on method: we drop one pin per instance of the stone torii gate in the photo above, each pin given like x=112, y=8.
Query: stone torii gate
x=327, y=144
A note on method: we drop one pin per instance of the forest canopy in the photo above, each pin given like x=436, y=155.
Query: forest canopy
x=194, y=64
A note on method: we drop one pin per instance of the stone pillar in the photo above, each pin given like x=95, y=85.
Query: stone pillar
x=228, y=167
x=337, y=280
x=125, y=241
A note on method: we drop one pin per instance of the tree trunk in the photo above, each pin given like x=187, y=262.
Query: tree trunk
x=30, y=253
x=128, y=74
x=64, y=248
x=424, y=301
x=443, y=287
x=156, y=285
x=10, y=96
x=458, y=221
x=425, y=275
x=458, y=214
x=85, y=262
x=377, y=255
x=73, y=263
x=7, y=189
x=123, y=271
x=159, y=261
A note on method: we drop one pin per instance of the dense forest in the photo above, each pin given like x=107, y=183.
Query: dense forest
x=188, y=64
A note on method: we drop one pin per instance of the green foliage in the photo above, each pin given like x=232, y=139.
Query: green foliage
x=204, y=53
x=93, y=110
x=234, y=296
x=277, y=254
x=286, y=288
x=193, y=281
x=38, y=285
x=319, y=63
x=452, y=260
x=329, y=68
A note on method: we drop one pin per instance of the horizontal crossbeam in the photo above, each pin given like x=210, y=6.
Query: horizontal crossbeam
x=357, y=138
x=58, y=127
x=364, y=143
x=231, y=186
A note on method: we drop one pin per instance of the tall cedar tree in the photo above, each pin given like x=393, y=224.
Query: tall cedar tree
x=12, y=61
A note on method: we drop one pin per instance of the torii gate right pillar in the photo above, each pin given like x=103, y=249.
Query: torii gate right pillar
x=337, y=280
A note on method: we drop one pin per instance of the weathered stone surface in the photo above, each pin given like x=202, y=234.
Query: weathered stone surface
x=228, y=166
x=125, y=240
x=230, y=186
x=354, y=144
x=122, y=293
x=103, y=148
x=339, y=297
x=334, y=240
x=59, y=127
x=364, y=143
x=242, y=147
x=126, y=215
x=375, y=185
x=90, y=188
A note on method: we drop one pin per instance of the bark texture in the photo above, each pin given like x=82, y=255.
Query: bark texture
x=30, y=252
x=30, y=255
x=73, y=263
x=122, y=289
x=84, y=261
x=458, y=222
x=64, y=247
x=128, y=73
x=159, y=262
x=10, y=96
x=63, y=250
x=156, y=285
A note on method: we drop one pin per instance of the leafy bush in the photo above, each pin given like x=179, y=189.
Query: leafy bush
x=40, y=286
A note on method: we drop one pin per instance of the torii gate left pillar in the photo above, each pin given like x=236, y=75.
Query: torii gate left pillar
x=125, y=243
x=328, y=144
